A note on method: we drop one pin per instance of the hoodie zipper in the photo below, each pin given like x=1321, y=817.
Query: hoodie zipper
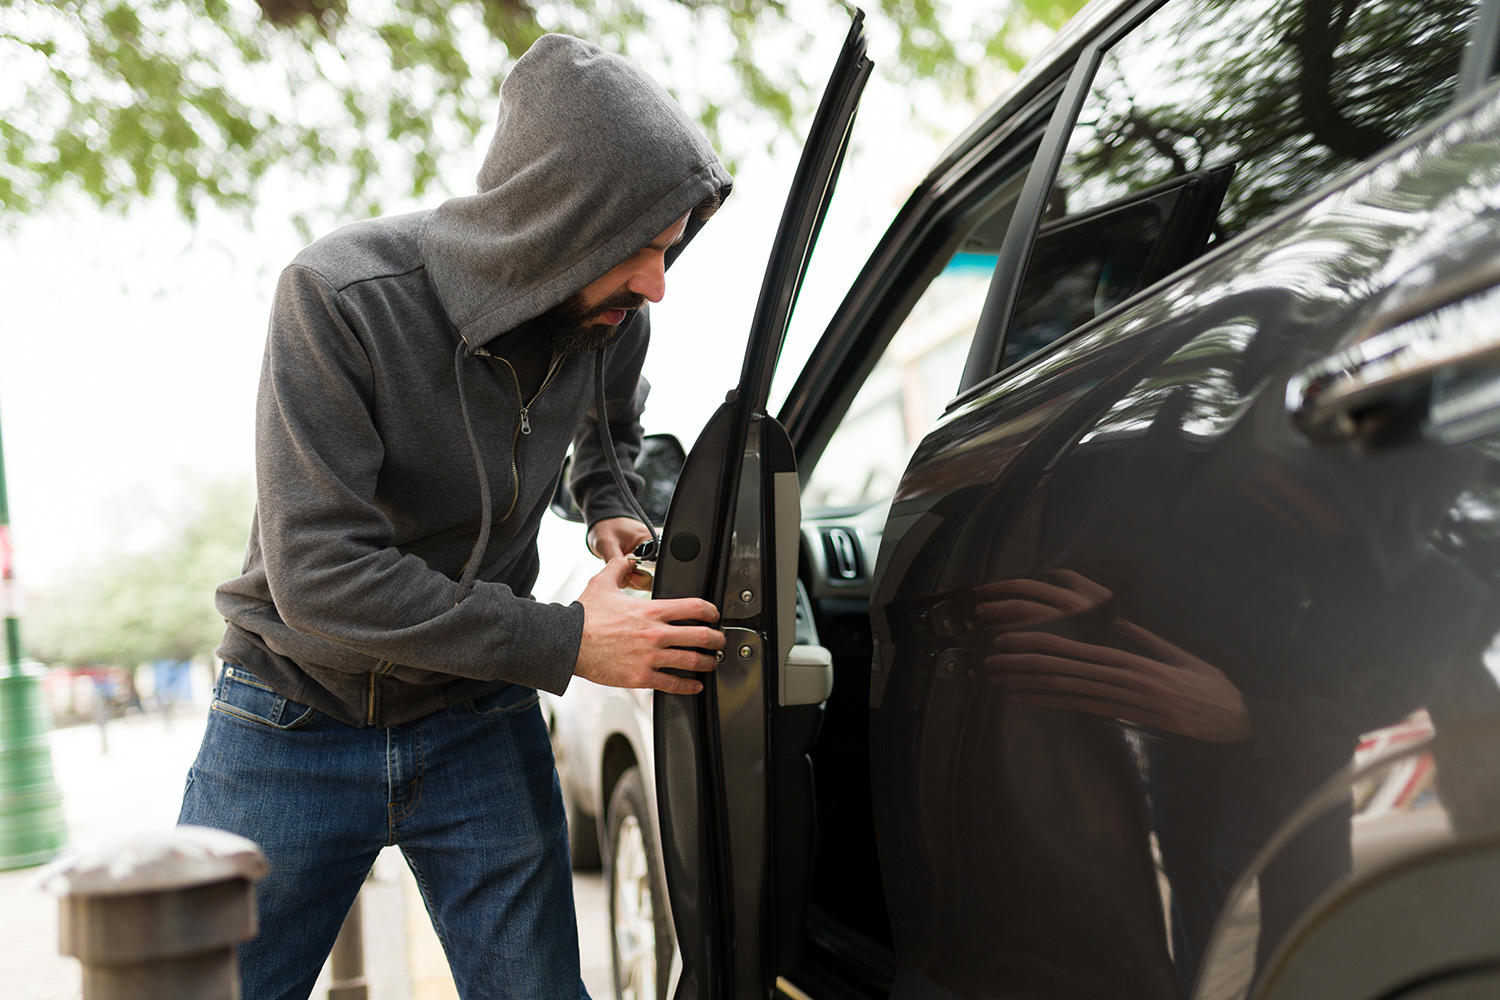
x=523, y=423
x=384, y=667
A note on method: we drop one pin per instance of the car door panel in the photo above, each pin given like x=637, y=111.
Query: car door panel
x=756, y=804
x=682, y=730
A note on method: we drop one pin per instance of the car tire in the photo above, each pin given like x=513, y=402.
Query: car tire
x=640, y=941
x=583, y=836
x=583, y=829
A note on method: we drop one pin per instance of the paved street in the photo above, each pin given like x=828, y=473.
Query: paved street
x=137, y=785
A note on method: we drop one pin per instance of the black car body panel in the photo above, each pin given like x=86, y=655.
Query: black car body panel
x=1151, y=469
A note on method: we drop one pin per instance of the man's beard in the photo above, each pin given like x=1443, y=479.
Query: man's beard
x=574, y=327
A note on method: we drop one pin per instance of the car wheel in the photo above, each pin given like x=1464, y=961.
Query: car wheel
x=583, y=836
x=642, y=945
x=583, y=831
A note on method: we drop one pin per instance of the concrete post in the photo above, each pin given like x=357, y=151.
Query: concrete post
x=348, y=958
x=157, y=916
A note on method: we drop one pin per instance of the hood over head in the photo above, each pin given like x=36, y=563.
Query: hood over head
x=591, y=161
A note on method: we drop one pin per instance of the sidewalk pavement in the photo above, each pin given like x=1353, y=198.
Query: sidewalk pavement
x=130, y=778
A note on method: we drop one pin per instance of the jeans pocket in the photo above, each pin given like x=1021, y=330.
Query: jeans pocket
x=241, y=695
x=511, y=700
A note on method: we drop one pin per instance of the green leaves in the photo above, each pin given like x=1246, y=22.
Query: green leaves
x=119, y=104
x=122, y=100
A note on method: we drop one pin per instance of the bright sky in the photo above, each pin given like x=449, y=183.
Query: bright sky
x=130, y=347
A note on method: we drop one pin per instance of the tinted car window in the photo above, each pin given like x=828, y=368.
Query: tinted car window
x=918, y=370
x=1249, y=105
x=905, y=391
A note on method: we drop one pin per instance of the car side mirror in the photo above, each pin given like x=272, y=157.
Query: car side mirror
x=659, y=464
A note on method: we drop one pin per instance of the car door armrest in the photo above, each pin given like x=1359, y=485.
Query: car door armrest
x=807, y=676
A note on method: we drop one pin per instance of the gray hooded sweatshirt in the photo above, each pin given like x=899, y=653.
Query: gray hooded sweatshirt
x=403, y=380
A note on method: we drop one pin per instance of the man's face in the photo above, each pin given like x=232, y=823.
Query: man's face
x=592, y=317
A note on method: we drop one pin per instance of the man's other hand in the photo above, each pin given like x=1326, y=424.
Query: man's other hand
x=618, y=536
x=628, y=642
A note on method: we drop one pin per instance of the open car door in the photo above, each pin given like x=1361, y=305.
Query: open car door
x=733, y=780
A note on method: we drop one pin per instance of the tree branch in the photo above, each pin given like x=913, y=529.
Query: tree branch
x=1315, y=45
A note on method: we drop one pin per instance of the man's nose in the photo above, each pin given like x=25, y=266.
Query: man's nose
x=650, y=279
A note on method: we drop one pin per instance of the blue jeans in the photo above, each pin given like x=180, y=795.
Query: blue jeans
x=469, y=795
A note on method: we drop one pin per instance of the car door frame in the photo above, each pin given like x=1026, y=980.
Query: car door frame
x=901, y=267
x=715, y=791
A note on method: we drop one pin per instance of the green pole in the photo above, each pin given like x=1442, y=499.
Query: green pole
x=32, y=830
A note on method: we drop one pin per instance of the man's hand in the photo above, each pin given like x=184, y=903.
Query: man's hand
x=628, y=642
x=618, y=536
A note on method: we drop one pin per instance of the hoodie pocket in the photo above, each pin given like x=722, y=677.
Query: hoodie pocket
x=511, y=700
x=243, y=696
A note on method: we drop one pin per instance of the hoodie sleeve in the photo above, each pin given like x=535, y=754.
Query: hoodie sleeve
x=338, y=582
x=625, y=389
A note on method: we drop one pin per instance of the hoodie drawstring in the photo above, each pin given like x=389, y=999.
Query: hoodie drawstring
x=602, y=419
x=486, y=518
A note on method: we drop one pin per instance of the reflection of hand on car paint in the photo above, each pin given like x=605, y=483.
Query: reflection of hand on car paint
x=1169, y=689
x=1026, y=602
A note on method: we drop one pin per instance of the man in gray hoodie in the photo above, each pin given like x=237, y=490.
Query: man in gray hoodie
x=424, y=376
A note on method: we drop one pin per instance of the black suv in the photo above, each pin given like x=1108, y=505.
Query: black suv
x=1112, y=603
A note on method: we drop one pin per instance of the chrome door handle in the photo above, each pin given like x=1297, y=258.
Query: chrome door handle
x=1431, y=367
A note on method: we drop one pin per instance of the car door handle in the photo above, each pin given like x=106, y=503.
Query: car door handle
x=807, y=676
x=1428, y=369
